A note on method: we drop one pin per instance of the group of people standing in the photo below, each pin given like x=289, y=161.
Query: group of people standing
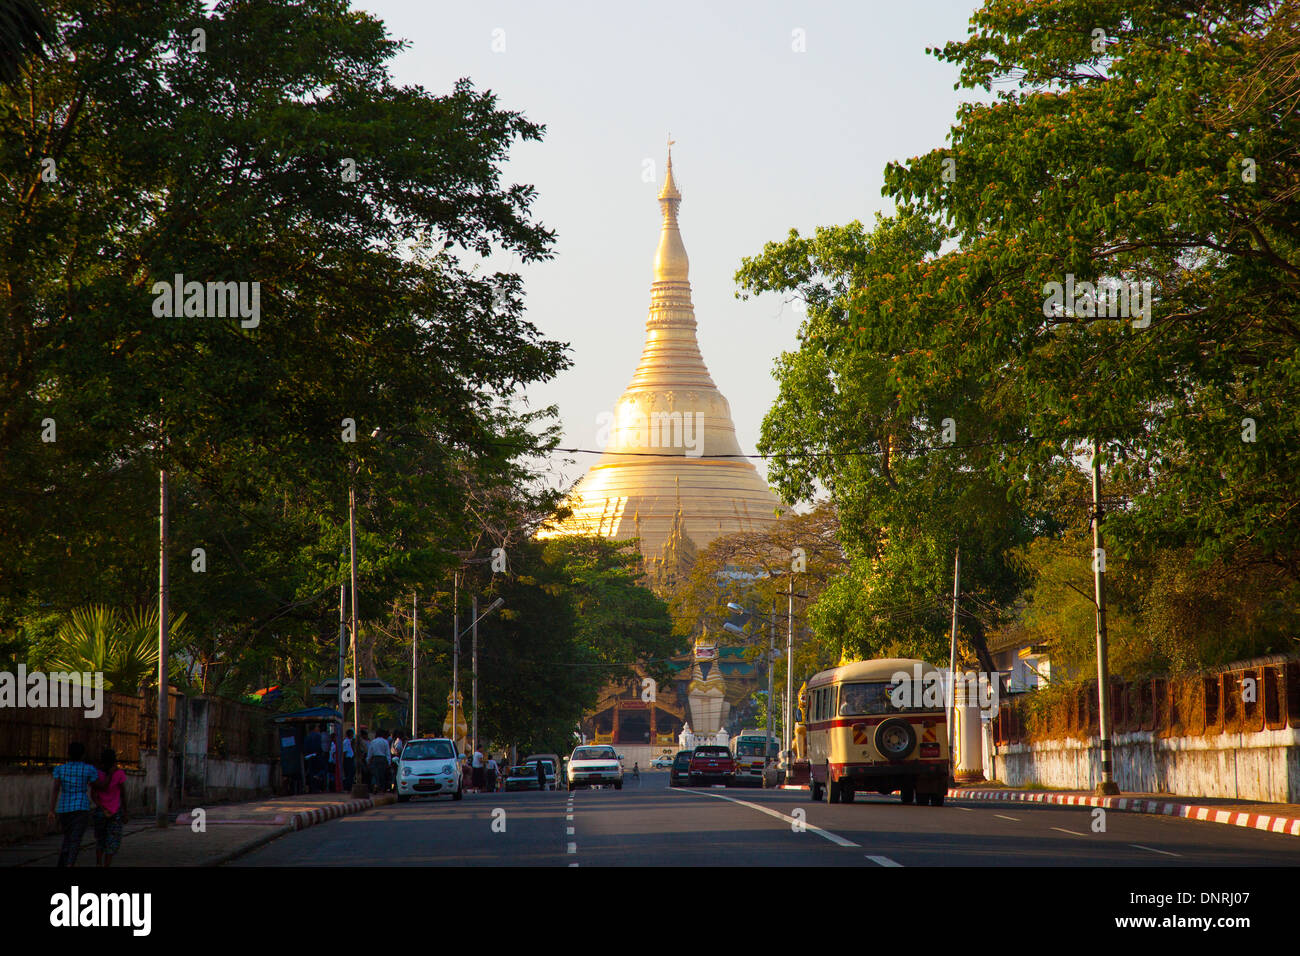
x=482, y=774
x=84, y=795
x=378, y=752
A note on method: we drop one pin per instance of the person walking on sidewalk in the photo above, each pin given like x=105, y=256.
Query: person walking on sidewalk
x=110, y=810
x=478, y=771
x=70, y=801
x=349, y=762
x=379, y=757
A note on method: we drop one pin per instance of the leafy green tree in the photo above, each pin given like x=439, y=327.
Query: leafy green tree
x=270, y=148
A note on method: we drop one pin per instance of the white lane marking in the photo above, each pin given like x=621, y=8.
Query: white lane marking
x=573, y=848
x=967, y=809
x=1153, y=849
x=1063, y=830
x=569, y=816
x=569, y=831
x=573, y=864
x=833, y=837
x=883, y=860
x=1004, y=817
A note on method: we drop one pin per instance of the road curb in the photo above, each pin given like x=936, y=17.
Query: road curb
x=302, y=820
x=1269, y=822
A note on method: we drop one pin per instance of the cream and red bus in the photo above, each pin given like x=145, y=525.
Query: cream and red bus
x=860, y=739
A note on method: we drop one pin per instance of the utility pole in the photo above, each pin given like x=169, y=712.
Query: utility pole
x=415, y=665
x=474, y=664
x=788, y=730
x=359, y=788
x=338, y=749
x=951, y=701
x=161, y=793
x=1107, y=785
x=455, y=651
x=771, y=703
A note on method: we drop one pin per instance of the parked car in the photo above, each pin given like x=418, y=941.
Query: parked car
x=595, y=764
x=680, y=771
x=661, y=763
x=428, y=767
x=711, y=764
x=553, y=775
x=523, y=777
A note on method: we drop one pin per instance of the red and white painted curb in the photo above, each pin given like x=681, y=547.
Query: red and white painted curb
x=296, y=821
x=1255, y=821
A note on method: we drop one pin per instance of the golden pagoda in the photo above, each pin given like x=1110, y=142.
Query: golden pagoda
x=672, y=472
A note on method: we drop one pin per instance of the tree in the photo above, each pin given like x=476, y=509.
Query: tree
x=911, y=478
x=262, y=145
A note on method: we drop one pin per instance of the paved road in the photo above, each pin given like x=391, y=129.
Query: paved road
x=654, y=825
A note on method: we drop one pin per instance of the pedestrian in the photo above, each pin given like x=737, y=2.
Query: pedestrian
x=541, y=775
x=110, y=809
x=379, y=758
x=349, y=761
x=478, y=770
x=465, y=774
x=491, y=774
x=311, y=758
x=70, y=802
x=395, y=754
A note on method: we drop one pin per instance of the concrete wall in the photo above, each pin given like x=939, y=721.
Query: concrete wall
x=1244, y=766
x=25, y=794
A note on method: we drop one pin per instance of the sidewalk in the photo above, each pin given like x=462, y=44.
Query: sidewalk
x=1273, y=817
x=231, y=830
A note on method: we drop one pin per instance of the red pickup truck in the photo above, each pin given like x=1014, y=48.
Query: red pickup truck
x=711, y=764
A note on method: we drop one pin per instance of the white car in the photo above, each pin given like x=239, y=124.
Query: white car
x=428, y=768
x=595, y=764
x=662, y=763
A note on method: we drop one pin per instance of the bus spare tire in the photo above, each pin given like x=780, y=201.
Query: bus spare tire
x=895, y=739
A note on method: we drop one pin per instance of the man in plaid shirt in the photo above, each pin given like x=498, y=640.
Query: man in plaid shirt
x=70, y=801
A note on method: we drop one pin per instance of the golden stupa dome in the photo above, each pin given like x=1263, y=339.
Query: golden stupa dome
x=672, y=461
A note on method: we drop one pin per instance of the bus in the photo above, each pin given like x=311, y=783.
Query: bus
x=871, y=728
x=747, y=753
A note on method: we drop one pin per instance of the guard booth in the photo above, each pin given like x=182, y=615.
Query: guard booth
x=291, y=731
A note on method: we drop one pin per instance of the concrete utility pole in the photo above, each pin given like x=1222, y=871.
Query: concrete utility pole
x=161, y=800
x=771, y=703
x=1107, y=785
x=415, y=666
x=474, y=666
x=788, y=730
x=359, y=788
x=455, y=652
x=952, y=661
x=338, y=749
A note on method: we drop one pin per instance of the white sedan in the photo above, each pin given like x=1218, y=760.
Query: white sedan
x=662, y=763
x=595, y=766
x=428, y=768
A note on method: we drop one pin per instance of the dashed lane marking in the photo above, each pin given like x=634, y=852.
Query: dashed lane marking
x=1153, y=849
x=1005, y=817
x=833, y=837
x=883, y=860
x=1063, y=830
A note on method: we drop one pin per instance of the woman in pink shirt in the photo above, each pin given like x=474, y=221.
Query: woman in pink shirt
x=110, y=811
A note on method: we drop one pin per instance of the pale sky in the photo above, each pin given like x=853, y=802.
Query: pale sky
x=767, y=139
